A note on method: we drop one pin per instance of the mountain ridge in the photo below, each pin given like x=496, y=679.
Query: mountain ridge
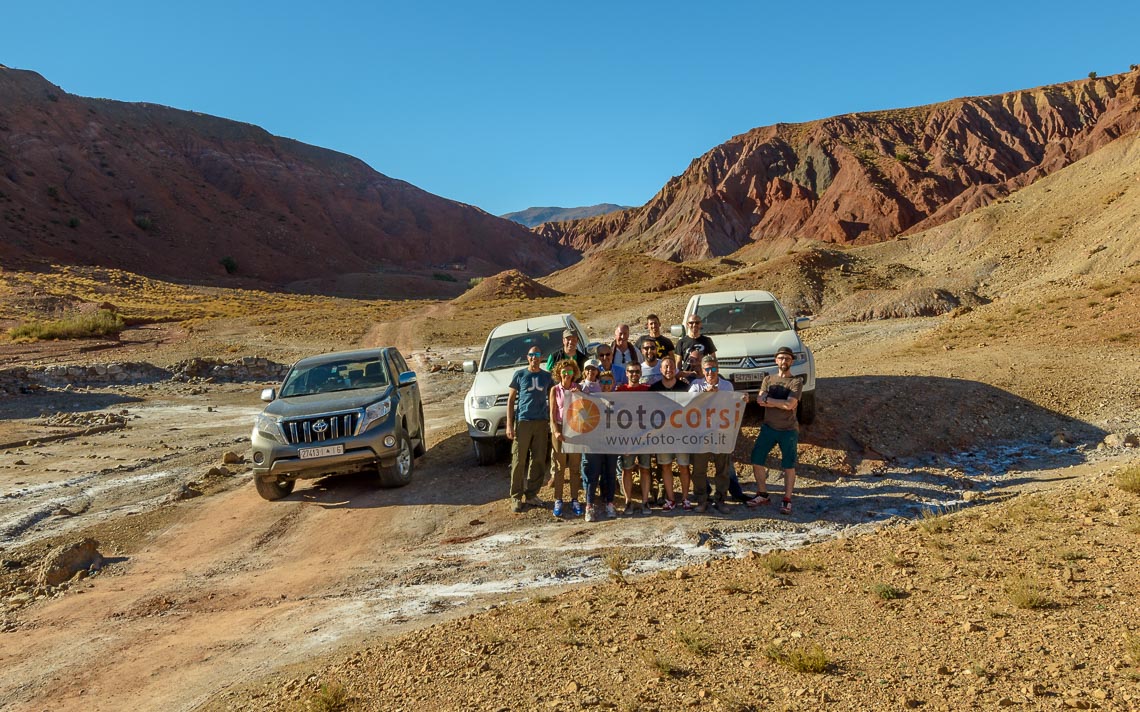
x=861, y=178
x=533, y=217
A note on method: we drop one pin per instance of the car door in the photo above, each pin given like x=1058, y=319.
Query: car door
x=411, y=406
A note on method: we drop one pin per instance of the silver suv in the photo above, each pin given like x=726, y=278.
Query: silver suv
x=339, y=413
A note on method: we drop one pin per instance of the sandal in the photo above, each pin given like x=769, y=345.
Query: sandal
x=787, y=507
x=759, y=500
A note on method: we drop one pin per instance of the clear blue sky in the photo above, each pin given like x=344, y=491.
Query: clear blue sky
x=507, y=105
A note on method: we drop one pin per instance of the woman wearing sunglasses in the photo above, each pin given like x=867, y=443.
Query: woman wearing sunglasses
x=566, y=465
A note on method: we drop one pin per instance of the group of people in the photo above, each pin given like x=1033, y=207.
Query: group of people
x=536, y=409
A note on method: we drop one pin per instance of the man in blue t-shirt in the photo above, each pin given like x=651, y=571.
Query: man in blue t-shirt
x=528, y=429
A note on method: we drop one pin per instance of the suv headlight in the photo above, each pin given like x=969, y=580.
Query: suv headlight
x=482, y=402
x=801, y=357
x=269, y=428
x=376, y=411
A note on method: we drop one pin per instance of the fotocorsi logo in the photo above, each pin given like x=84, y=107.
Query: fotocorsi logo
x=583, y=416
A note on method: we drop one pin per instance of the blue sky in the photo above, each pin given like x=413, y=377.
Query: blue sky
x=508, y=105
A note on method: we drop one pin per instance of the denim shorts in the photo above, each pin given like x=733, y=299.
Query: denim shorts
x=681, y=458
x=769, y=438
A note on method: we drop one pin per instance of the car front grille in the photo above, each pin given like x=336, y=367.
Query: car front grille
x=768, y=361
x=319, y=428
x=501, y=399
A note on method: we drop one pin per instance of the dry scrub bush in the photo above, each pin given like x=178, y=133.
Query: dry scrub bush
x=807, y=658
x=102, y=323
x=617, y=562
x=663, y=665
x=695, y=641
x=1132, y=648
x=1128, y=479
x=933, y=521
x=330, y=698
x=886, y=591
x=777, y=563
x=1026, y=594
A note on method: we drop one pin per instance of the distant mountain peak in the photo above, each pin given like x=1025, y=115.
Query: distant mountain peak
x=533, y=217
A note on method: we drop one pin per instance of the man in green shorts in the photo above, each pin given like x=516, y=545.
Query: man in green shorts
x=779, y=394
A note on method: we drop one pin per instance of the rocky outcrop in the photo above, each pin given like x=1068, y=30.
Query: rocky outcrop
x=22, y=379
x=865, y=178
x=508, y=285
x=179, y=194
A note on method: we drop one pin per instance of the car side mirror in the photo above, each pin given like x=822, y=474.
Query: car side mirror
x=469, y=367
x=592, y=348
x=407, y=378
x=802, y=322
x=677, y=330
x=269, y=395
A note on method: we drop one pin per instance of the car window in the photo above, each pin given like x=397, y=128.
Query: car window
x=741, y=317
x=398, y=361
x=508, y=351
x=343, y=375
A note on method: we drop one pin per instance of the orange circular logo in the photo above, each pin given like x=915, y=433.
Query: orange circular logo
x=583, y=416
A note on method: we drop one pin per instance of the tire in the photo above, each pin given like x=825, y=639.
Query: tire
x=421, y=448
x=486, y=452
x=805, y=413
x=273, y=489
x=400, y=473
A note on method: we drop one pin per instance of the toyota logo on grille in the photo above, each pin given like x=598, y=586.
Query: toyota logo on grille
x=320, y=426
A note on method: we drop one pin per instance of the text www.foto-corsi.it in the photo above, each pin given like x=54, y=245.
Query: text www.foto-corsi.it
x=666, y=440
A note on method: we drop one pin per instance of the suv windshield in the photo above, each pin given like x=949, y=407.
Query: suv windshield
x=335, y=376
x=508, y=351
x=741, y=317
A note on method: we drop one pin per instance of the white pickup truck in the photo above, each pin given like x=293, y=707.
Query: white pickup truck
x=747, y=327
x=485, y=407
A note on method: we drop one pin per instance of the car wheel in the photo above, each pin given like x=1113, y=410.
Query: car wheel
x=400, y=472
x=273, y=489
x=421, y=448
x=486, y=452
x=805, y=413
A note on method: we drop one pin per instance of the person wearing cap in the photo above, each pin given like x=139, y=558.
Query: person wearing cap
x=590, y=372
x=779, y=395
x=569, y=351
x=528, y=429
x=599, y=469
x=721, y=461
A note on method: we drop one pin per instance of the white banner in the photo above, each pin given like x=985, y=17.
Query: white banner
x=651, y=422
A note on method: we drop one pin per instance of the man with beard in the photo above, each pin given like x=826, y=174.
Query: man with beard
x=779, y=394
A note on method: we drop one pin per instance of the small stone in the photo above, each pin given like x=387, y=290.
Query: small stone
x=1006, y=702
x=942, y=670
x=681, y=574
x=970, y=627
x=572, y=688
x=232, y=458
x=971, y=496
x=1099, y=695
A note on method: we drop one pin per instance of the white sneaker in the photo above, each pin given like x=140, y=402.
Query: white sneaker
x=611, y=511
x=591, y=513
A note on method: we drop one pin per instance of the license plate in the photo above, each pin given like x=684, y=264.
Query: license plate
x=308, y=453
x=747, y=377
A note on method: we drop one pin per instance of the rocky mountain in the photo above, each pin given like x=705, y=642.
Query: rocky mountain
x=867, y=177
x=179, y=194
x=533, y=217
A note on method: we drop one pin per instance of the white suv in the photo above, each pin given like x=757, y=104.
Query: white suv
x=747, y=327
x=485, y=407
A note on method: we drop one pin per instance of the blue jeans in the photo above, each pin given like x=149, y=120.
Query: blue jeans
x=599, y=471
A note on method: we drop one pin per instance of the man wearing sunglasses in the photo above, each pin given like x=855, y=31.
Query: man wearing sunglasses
x=710, y=383
x=528, y=429
x=650, y=363
x=605, y=354
x=693, y=347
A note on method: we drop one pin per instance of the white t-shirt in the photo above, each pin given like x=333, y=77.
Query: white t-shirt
x=651, y=374
x=701, y=385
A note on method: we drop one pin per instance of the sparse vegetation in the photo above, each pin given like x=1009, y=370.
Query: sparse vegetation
x=73, y=222
x=617, y=562
x=903, y=156
x=1073, y=555
x=53, y=192
x=473, y=282
x=887, y=592
x=143, y=222
x=663, y=665
x=329, y=698
x=1128, y=479
x=229, y=263
x=1132, y=648
x=1092, y=75
x=1025, y=593
x=933, y=521
x=443, y=277
x=777, y=563
x=81, y=326
x=696, y=643
x=807, y=658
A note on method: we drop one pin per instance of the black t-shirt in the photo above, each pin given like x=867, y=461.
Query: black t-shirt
x=664, y=346
x=702, y=343
x=681, y=386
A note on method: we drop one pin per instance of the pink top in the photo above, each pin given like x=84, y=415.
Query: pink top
x=559, y=399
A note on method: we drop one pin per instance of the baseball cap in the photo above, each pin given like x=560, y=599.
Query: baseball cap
x=593, y=363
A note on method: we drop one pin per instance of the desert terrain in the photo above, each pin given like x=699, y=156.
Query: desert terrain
x=960, y=539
